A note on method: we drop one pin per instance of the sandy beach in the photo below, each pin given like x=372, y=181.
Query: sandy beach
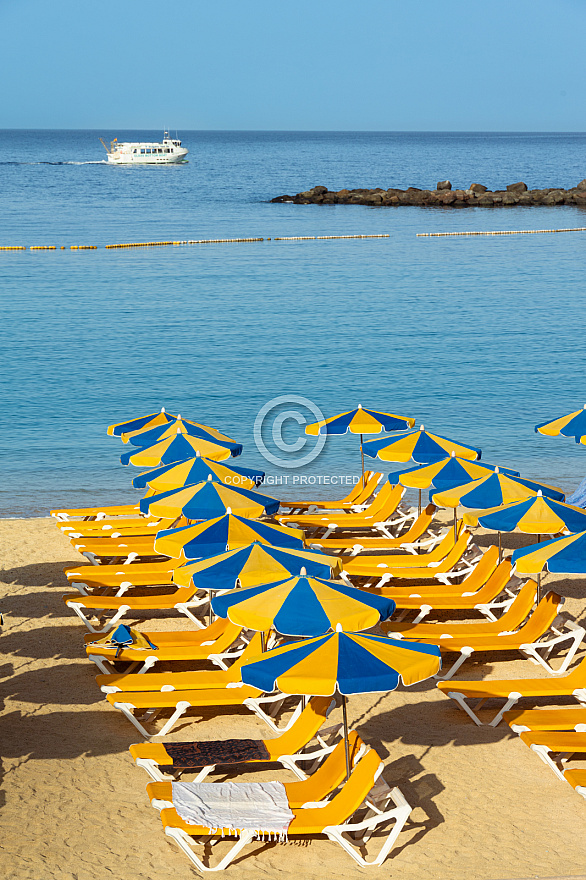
x=74, y=807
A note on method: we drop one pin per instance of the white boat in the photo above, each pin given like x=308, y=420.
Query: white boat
x=167, y=152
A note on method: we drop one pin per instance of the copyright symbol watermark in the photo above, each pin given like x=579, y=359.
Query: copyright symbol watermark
x=282, y=422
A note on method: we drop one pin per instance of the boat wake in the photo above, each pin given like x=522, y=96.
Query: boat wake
x=94, y=162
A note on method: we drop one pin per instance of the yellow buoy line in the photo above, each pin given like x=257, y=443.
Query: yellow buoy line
x=141, y=244
x=324, y=237
x=499, y=232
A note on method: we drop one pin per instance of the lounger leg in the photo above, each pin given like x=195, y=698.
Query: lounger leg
x=127, y=709
x=185, y=843
x=532, y=651
x=514, y=697
x=464, y=654
x=400, y=814
x=103, y=665
x=545, y=755
x=152, y=768
x=184, y=608
x=254, y=704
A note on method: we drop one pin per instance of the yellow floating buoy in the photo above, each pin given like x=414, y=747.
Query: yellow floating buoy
x=499, y=232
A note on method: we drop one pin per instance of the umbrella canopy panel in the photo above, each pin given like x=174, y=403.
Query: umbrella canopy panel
x=303, y=606
x=419, y=445
x=351, y=663
x=224, y=533
x=254, y=565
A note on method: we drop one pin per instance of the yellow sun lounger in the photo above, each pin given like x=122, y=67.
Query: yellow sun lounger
x=88, y=514
x=577, y=779
x=471, y=583
x=124, y=528
x=149, y=703
x=457, y=562
x=379, y=516
x=554, y=747
x=119, y=584
x=315, y=788
x=220, y=641
x=510, y=620
x=411, y=540
x=118, y=573
x=545, y=630
x=366, y=565
x=567, y=718
x=131, y=548
x=513, y=690
x=497, y=595
x=352, y=818
x=182, y=599
x=181, y=681
x=290, y=749
x=359, y=495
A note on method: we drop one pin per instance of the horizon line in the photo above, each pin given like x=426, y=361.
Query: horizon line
x=310, y=130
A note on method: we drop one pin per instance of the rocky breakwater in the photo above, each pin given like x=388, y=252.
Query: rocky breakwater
x=443, y=196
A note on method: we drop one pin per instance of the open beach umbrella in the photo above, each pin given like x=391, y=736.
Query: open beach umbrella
x=140, y=423
x=208, y=499
x=420, y=446
x=350, y=663
x=224, y=533
x=450, y=471
x=179, y=447
x=534, y=516
x=253, y=565
x=566, y=555
x=492, y=491
x=537, y=515
x=303, y=606
x=194, y=470
x=181, y=426
x=572, y=425
x=360, y=421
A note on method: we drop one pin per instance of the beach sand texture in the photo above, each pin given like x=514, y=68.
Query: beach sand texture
x=74, y=807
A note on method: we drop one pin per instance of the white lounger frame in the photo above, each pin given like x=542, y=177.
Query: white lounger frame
x=562, y=630
x=326, y=740
x=255, y=704
x=350, y=835
x=183, y=607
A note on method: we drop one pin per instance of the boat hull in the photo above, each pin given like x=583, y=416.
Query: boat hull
x=138, y=159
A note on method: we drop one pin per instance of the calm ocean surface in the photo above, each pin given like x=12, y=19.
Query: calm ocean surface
x=478, y=339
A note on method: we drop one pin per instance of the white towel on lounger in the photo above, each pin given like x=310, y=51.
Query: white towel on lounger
x=261, y=807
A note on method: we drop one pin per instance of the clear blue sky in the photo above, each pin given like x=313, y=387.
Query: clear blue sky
x=514, y=65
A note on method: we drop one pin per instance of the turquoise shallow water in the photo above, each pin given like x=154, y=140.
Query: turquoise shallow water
x=477, y=338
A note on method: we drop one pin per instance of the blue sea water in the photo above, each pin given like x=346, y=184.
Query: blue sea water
x=477, y=338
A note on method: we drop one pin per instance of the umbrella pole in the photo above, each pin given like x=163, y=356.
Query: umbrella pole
x=455, y=524
x=500, y=549
x=362, y=457
x=538, y=577
x=346, y=743
x=263, y=646
x=210, y=616
x=419, y=505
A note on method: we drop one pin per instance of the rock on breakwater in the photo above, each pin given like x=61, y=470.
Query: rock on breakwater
x=443, y=196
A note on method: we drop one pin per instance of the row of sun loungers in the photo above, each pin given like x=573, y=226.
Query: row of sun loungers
x=427, y=569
